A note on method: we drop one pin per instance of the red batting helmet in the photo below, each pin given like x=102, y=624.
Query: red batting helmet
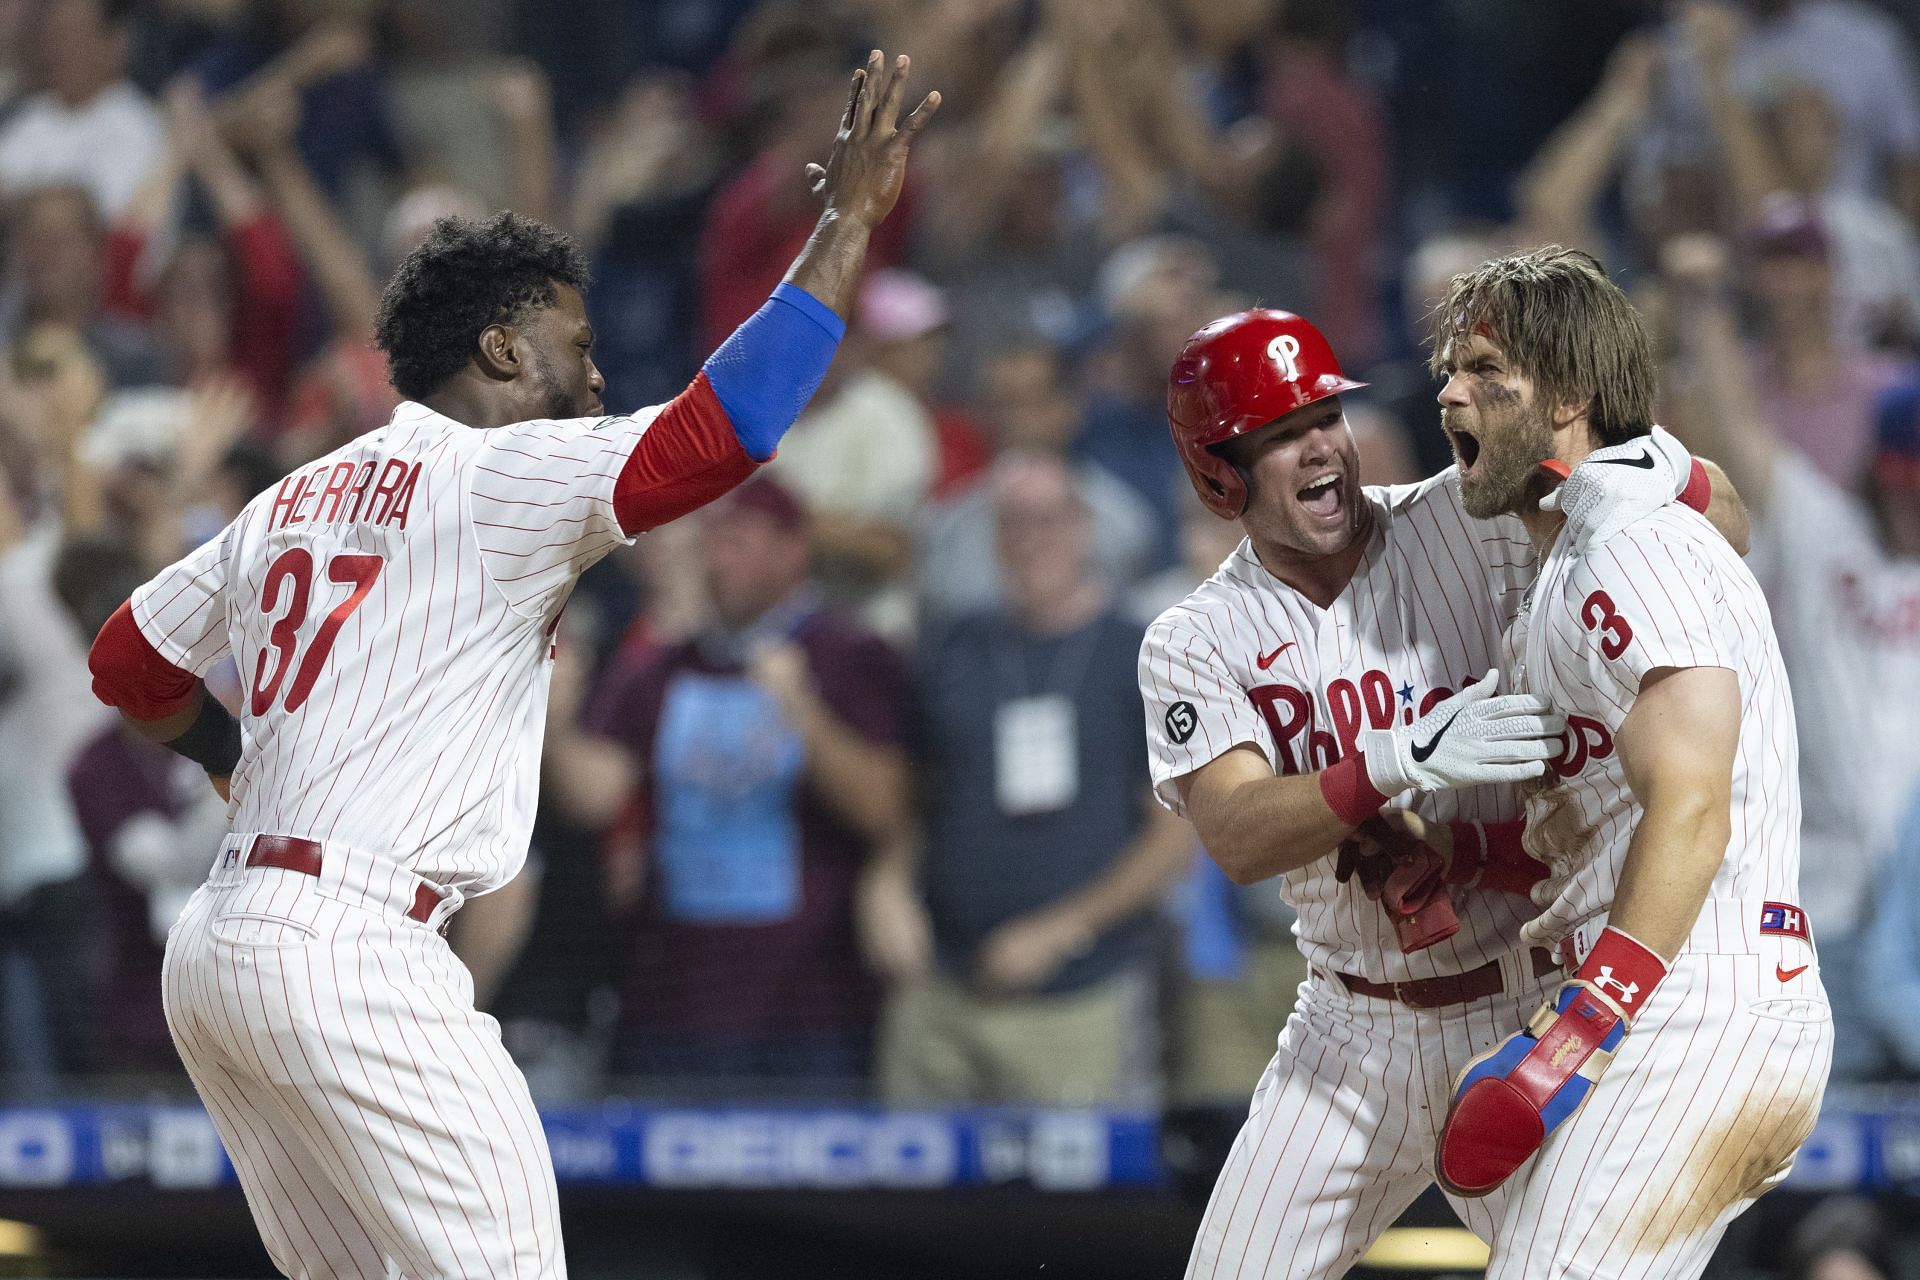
x=1235, y=376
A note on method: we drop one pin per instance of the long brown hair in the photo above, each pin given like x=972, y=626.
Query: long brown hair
x=1566, y=326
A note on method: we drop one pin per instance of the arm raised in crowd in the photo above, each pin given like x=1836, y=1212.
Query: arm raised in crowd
x=1716, y=412
x=1559, y=188
x=984, y=165
x=1747, y=163
x=1105, y=50
x=523, y=99
x=339, y=268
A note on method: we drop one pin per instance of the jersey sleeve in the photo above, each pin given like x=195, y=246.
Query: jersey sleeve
x=1196, y=710
x=182, y=611
x=1642, y=600
x=551, y=497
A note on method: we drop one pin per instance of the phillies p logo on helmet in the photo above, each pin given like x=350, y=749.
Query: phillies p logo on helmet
x=1285, y=352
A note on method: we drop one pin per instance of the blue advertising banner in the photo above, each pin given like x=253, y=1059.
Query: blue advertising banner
x=735, y=1148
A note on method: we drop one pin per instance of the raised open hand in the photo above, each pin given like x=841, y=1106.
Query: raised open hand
x=861, y=179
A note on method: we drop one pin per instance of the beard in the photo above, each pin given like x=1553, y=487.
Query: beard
x=1514, y=440
x=556, y=400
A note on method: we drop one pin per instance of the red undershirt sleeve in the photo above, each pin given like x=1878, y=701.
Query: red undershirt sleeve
x=129, y=673
x=688, y=456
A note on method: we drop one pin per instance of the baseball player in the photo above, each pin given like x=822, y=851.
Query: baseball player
x=391, y=609
x=1670, y=1080
x=1338, y=662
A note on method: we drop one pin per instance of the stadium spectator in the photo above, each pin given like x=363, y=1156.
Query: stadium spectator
x=750, y=774
x=1861, y=63
x=1339, y=119
x=1819, y=389
x=224, y=308
x=759, y=219
x=1841, y=568
x=905, y=319
x=56, y=275
x=1889, y=970
x=1156, y=292
x=87, y=127
x=47, y=713
x=322, y=56
x=1041, y=854
x=1008, y=241
x=149, y=820
x=1843, y=1237
x=343, y=391
x=864, y=457
x=649, y=169
x=1024, y=400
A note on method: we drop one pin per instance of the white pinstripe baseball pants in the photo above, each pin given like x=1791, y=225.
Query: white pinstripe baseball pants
x=1712, y=1093
x=378, y=1126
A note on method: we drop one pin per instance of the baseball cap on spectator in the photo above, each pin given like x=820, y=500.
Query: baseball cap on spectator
x=769, y=498
x=1788, y=226
x=899, y=306
x=1896, y=460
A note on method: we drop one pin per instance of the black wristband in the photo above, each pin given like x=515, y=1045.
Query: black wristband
x=212, y=741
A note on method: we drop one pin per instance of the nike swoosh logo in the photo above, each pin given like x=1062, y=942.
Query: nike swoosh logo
x=1265, y=660
x=1421, y=753
x=1788, y=975
x=1644, y=462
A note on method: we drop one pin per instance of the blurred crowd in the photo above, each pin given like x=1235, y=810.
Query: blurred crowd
x=845, y=788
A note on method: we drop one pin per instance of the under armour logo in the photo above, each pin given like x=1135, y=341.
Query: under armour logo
x=1285, y=351
x=1605, y=979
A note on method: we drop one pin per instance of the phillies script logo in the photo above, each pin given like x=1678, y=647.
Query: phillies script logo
x=1584, y=740
x=1368, y=702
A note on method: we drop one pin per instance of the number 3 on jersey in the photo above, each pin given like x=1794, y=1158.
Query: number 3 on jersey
x=1597, y=613
x=293, y=571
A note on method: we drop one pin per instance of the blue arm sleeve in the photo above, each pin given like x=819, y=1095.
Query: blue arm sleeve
x=767, y=371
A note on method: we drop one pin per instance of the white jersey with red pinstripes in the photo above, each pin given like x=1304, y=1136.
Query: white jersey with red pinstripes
x=1667, y=591
x=1247, y=660
x=390, y=608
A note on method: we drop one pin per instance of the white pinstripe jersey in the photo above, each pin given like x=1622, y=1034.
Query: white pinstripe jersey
x=390, y=608
x=1247, y=660
x=1667, y=591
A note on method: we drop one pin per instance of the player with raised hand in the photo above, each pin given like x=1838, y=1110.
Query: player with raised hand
x=391, y=608
x=1302, y=712
x=1671, y=1078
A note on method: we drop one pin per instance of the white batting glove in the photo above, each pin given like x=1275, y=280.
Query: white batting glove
x=1471, y=738
x=1617, y=485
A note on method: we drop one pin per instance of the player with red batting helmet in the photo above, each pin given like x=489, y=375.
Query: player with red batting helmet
x=1325, y=710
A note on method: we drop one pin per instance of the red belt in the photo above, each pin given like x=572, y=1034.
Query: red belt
x=291, y=853
x=1449, y=989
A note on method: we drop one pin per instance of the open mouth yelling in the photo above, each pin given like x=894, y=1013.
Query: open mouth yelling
x=1324, y=498
x=1466, y=448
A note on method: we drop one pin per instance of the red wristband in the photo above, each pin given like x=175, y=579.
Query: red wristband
x=1623, y=969
x=1349, y=792
x=1699, y=490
